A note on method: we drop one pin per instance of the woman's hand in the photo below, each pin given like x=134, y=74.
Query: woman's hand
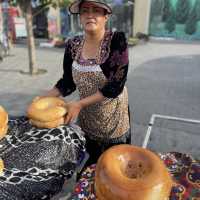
x=73, y=109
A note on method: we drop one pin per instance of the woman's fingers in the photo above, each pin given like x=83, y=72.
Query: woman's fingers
x=70, y=118
x=73, y=112
x=73, y=119
x=67, y=118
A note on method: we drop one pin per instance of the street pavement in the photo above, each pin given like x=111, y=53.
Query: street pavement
x=163, y=79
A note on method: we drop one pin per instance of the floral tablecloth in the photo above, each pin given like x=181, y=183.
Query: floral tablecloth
x=183, y=168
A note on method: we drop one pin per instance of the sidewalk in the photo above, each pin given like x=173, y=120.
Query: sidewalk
x=17, y=90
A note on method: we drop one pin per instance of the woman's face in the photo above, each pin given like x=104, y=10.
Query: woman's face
x=93, y=18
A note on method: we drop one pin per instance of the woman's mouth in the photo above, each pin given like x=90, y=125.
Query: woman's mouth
x=90, y=22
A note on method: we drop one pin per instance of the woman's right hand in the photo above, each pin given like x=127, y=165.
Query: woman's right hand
x=73, y=110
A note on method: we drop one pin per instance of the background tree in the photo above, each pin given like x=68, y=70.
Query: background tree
x=191, y=23
x=197, y=8
x=182, y=11
x=166, y=10
x=170, y=24
x=156, y=8
x=26, y=6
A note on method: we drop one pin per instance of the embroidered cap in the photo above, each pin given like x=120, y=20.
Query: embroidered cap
x=75, y=6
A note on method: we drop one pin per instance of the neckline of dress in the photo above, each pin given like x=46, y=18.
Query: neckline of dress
x=97, y=58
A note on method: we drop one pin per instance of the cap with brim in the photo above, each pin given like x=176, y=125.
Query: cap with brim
x=74, y=7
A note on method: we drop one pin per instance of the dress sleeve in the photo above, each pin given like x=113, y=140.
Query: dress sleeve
x=66, y=84
x=117, y=64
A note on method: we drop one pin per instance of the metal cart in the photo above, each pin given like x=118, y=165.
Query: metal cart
x=186, y=141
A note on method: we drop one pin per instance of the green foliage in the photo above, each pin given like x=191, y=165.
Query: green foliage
x=182, y=11
x=60, y=3
x=191, y=23
x=197, y=8
x=156, y=8
x=166, y=10
x=170, y=24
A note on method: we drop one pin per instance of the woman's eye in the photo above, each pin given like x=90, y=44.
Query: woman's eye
x=84, y=10
x=96, y=10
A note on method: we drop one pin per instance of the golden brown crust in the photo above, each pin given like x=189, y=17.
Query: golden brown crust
x=50, y=124
x=127, y=172
x=1, y=166
x=3, y=117
x=3, y=122
x=3, y=131
x=47, y=109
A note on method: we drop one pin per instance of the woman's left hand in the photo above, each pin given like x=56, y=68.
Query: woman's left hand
x=74, y=108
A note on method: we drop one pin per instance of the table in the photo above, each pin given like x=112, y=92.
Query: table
x=184, y=169
x=38, y=160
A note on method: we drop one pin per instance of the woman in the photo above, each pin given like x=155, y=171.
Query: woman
x=97, y=65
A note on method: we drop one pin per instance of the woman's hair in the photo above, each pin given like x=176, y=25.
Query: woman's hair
x=79, y=8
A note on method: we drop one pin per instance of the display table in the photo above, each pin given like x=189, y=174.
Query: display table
x=183, y=168
x=38, y=161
